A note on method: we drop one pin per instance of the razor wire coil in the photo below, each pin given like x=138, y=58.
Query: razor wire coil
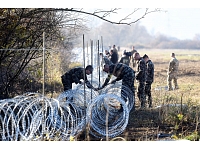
x=22, y=116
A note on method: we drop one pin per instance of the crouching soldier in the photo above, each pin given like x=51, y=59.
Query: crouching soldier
x=75, y=75
x=124, y=73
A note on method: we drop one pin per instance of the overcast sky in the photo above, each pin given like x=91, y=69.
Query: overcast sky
x=182, y=19
x=182, y=23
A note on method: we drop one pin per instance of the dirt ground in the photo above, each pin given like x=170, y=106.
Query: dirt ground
x=144, y=125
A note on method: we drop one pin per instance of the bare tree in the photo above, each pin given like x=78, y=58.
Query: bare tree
x=21, y=33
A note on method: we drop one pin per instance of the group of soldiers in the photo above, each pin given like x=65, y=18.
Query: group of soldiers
x=143, y=75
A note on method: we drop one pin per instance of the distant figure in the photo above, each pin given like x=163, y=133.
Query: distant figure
x=107, y=53
x=114, y=49
x=114, y=57
x=105, y=60
x=133, y=60
x=140, y=78
x=149, y=78
x=172, y=72
x=130, y=54
x=125, y=59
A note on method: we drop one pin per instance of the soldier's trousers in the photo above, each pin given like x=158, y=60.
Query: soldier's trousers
x=172, y=76
x=67, y=84
x=128, y=89
x=148, y=93
x=141, y=93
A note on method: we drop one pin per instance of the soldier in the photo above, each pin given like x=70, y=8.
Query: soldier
x=114, y=57
x=124, y=73
x=125, y=59
x=105, y=59
x=172, y=72
x=74, y=76
x=107, y=53
x=149, y=78
x=140, y=78
x=133, y=60
x=130, y=54
x=114, y=49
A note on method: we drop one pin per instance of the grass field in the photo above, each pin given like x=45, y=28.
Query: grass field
x=144, y=125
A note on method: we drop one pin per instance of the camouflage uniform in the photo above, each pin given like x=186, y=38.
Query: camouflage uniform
x=106, y=60
x=125, y=60
x=124, y=73
x=141, y=78
x=172, y=73
x=149, y=80
x=74, y=76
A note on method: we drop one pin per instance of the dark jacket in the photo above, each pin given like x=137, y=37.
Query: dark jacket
x=125, y=60
x=114, y=58
x=149, y=71
x=75, y=75
x=120, y=71
x=141, y=70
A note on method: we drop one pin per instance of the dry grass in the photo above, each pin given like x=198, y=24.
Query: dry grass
x=179, y=113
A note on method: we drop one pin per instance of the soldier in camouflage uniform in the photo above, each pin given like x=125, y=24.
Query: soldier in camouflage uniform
x=140, y=78
x=149, y=78
x=105, y=59
x=130, y=54
x=124, y=73
x=172, y=72
x=74, y=76
x=125, y=59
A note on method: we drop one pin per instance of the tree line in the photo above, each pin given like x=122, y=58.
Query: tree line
x=138, y=36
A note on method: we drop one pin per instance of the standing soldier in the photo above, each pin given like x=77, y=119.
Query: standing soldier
x=172, y=72
x=130, y=54
x=140, y=78
x=125, y=59
x=124, y=73
x=114, y=57
x=114, y=54
x=74, y=76
x=149, y=78
x=133, y=60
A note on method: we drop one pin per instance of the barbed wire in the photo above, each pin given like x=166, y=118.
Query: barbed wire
x=21, y=116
